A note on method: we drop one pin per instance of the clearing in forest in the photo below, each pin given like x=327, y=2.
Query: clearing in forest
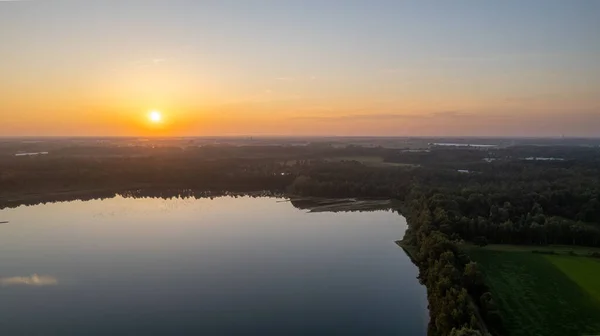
x=541, y=294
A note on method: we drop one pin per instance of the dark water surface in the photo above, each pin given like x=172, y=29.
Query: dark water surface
x=228, y=266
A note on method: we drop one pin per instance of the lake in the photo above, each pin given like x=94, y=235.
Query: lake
x=226, y=266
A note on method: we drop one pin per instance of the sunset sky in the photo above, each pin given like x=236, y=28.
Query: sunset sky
x=322, y=67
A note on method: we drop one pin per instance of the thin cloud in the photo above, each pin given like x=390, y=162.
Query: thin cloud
x=32, y=280
x=287, y=79
x=387, y=116
x=361, y=117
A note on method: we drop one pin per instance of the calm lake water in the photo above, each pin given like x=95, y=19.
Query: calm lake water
x=228, y=266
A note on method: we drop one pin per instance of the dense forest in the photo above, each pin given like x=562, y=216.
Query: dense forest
x=513, y=202
x=455, y=287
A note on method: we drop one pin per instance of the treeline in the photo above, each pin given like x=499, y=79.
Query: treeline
x=478, y=218
x=164, y=193
x=523, y=205
x=455, y=288
x=350, y=179
x=50, y=175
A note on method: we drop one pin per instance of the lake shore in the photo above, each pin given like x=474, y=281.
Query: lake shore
x=411, y=251
x=10, y=200
x=317, y=204
x=311, y=204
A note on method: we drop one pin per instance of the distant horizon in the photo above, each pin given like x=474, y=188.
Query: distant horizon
x=295, y=136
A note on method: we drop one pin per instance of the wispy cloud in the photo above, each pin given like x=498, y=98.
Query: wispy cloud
x=359, y=117
x=387, y=116
x=287, y=79
x=32, y=280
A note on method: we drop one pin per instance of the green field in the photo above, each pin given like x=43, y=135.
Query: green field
x=559, y=249
x=583, y=271
x=543, y=294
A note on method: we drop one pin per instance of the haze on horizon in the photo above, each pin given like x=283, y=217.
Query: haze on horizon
x=248, y=67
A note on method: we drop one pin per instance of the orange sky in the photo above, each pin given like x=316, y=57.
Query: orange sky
x=71, y=68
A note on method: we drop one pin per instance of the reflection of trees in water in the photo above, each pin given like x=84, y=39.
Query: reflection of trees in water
x=167, y=193
x=56, y=198
x=301, y=203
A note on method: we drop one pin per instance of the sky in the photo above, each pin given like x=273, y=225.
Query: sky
x=310, y=67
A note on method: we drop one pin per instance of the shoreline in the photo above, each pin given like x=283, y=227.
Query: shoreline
x=31, y=198
x=311, y=204
x=411, y=251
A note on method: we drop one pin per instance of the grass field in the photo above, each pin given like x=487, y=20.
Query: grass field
x=559, y=249
x=542, y=294
x=583, y=271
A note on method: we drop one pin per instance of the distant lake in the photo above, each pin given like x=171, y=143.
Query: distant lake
x=227, y=266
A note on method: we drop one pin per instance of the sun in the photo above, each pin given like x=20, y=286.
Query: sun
x=155, y=116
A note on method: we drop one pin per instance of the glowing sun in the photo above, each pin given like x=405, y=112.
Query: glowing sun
x=155, y=116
